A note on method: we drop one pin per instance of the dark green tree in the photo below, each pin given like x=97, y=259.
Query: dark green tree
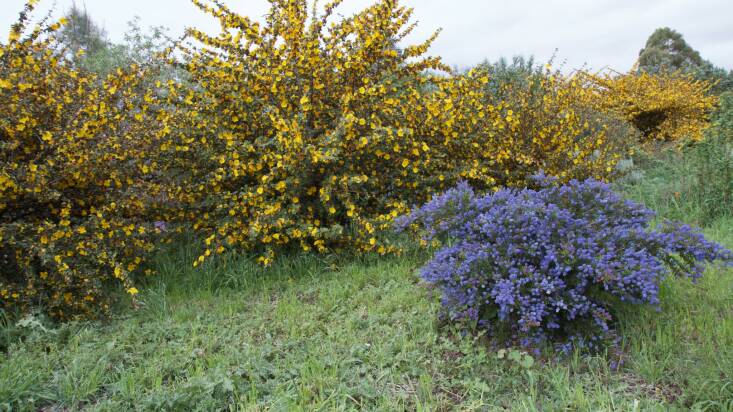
x=723, y=78
x=83, y=33
x=667, y=50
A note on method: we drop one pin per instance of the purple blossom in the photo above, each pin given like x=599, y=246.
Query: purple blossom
x=547, y=264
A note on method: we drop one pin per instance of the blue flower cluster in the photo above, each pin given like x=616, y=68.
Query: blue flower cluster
x=546, y=264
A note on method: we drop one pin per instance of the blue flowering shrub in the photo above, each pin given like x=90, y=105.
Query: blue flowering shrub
x=548, y=264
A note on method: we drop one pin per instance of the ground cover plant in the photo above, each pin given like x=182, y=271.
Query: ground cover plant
x=354, y=333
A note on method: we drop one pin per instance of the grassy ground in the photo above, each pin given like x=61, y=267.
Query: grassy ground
x=353, y=333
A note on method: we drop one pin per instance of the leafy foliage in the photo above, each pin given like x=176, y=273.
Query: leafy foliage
x=666, y=107
x=81, y=33
x=319, y=134
x=90, y=49
x=667, y=51
x=75, y=181
x=303, y=131
x=723, y=117
x=546, y=125
x=548, y=264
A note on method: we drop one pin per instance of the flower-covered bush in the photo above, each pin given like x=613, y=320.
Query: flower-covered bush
x=304, y=130
x=77, y=176
x=663, y=107
x=547, y=264
x=310, y=131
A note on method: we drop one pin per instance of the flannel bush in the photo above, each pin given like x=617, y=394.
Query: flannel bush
x=663, y=107
x=308, y=131
x=547, y=264
x=77, y=176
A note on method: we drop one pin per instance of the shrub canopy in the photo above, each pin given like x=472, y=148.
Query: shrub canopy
x=305, y=130
x=664, y=107
x=75, y=176
x=318, y=132
x=549, y=264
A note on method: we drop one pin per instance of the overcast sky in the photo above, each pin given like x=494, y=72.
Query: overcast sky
x=597, y=33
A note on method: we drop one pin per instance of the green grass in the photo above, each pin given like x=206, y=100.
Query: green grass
x=694, y=185
x=353, y=333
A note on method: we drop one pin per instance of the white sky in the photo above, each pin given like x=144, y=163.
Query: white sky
x=598, y=33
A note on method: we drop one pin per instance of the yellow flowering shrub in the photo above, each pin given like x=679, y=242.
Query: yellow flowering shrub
x=302, y=131
x=541, y=123
x=664, y=107
x=75, y=179
x=313, y=131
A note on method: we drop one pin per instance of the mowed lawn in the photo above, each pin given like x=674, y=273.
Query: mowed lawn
x=354, y=333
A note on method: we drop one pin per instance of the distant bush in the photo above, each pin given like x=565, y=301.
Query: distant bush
x=722, y=121
x=76, y=177
x=548, y=264
x=695, y=183
x=547, y=124
x=663, y=107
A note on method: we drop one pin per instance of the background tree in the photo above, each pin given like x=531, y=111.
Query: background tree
x=90, y=48
x=82, y=33
x=667, y=51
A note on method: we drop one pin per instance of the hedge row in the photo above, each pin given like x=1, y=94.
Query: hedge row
x=298, y=131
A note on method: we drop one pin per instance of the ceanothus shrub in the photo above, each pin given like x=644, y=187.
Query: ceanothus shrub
x=547, y=265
